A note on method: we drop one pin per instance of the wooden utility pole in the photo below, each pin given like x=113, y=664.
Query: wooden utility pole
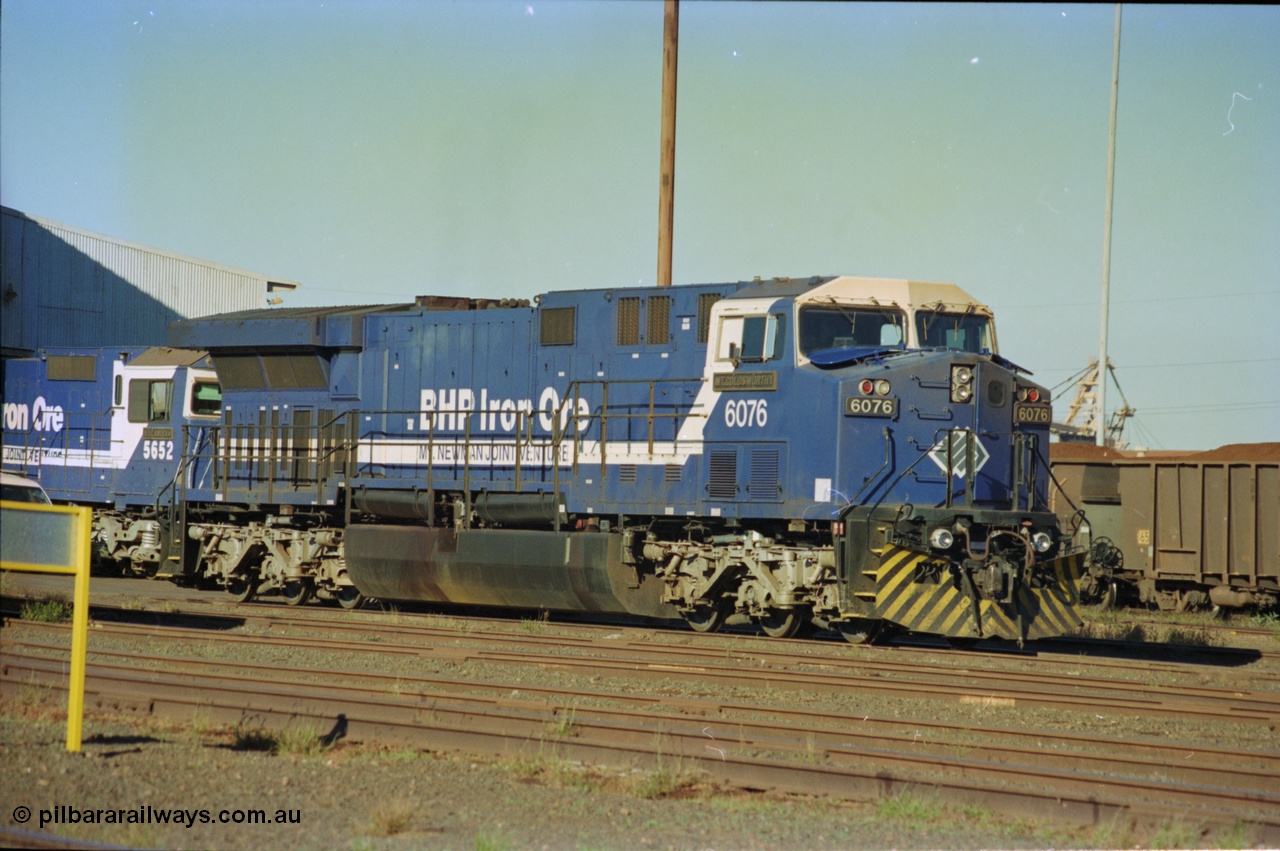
x=667, y=184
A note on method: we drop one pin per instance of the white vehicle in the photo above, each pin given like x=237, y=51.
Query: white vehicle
x=17, y=489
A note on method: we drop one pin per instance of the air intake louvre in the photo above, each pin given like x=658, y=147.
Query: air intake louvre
x=671, y=474
x=628, y=321
x=627, y=473
x=659, y=325
x=764, y=474
x=723, y=482
x=705, y=301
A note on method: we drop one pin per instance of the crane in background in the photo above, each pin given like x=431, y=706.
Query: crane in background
x=1083, y=413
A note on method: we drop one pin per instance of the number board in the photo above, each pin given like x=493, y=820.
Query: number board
x=1032, y=414
x=870, y=406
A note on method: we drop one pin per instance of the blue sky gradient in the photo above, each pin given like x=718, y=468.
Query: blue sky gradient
x=374, y=151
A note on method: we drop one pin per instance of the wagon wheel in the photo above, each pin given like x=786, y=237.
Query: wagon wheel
x=708, y=618
x=348, y=597
x=782, y=623
x=859, y=630
x=242, y=587
x=297, y=591
x=1109, y=596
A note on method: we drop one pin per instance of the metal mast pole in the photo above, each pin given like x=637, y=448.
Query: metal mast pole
x=667, y=184
x=1101, y=422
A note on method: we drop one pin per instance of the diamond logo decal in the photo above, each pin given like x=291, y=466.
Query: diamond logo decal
x=963, y=442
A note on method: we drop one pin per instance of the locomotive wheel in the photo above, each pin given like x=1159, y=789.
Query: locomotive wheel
x=297, y=591
x=859, y=630
x=707, y=618
x=242, y=588
x=782, y=623
x=348, y=597
x=1108, y=601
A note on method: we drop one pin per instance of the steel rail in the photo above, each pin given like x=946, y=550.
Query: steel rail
x=990, y=688
x=1212, y=766
x=1264, y=701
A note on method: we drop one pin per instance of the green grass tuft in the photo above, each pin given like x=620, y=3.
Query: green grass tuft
x=46, y=610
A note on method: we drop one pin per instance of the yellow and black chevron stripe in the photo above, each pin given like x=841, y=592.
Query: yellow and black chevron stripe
x=918, y=592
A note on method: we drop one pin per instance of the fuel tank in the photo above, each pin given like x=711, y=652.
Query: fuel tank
x=560, y=571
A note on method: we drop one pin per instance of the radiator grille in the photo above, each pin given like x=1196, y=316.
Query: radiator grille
x=659, y=325
x=628, y=321
x=723, y=482
x=764, y=474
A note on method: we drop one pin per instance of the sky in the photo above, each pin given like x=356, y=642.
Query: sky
x=374, y=151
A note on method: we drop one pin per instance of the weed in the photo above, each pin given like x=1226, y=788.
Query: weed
x=661, y=782
x=568, y=775
x=486, y=841
x=562, y=725
x=33, y=693
x=252, y=736
x=299, y=740
x=1190, y=636
x=391, y=817
x=1267, y=620
x=1239, y=835
x=537, y=625
x=906, y=806
x=133, y=604
x=1176, y=833
x=46, y=610
x=293, y=739
x=202, y=722
x=525, y=767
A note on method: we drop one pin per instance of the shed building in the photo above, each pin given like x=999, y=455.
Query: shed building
x=65, y=286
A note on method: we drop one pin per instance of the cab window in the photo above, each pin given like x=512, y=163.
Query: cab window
x=838, y=327
x=965, y=332
x=206, y=399
x=751, y=338
x=150, y=400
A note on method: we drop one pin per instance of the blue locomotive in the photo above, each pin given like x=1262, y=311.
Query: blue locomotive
x=845, y=451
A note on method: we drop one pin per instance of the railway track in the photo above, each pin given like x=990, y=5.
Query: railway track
x=762, y=743
x=1064, y=684
x=801, y=755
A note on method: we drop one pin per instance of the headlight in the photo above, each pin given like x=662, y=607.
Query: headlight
x=961, y=383
x=882, y=387
x=1042, y=542
x=941, y=539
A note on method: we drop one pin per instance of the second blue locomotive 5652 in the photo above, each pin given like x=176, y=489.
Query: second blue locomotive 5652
x=848, y=451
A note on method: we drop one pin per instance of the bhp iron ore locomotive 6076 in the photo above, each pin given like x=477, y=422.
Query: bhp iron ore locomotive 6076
x=848, y=451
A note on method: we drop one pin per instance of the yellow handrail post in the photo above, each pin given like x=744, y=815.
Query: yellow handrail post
x=79, y=628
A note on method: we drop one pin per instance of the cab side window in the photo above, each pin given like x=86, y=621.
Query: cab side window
x=206, y=399
x=150, y=400
x=752, y=338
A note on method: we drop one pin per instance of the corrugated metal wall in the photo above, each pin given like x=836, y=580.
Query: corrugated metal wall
x=62, y=286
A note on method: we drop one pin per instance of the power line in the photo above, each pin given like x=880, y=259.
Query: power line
x=1127, y=367
x=1228, y=406
x=1001, y=309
